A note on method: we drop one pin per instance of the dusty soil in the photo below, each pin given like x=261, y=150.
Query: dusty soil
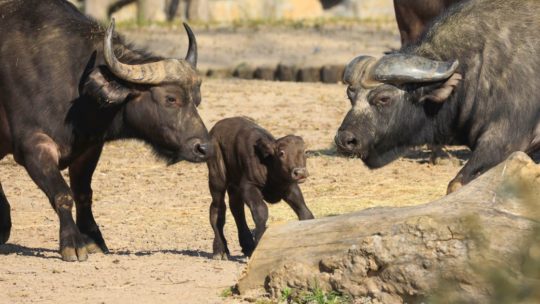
x=155, y=218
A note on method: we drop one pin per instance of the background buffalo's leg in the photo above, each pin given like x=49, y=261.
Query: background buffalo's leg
x=295, y=199
x=259, y=211
x=5, y=217
x=217, y=216
x=80, y=177
x=41, y=157
x=485, y=156
x=244, y=234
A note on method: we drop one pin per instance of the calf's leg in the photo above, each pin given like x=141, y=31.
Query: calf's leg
x=295, y=200
x=5, y=217
x=218, y=186
x=244, y=234
x=80, y=176
x=40, y=155
x=259, y=211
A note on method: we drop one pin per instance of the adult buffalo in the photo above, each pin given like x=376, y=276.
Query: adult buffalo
x=414, y=16
x=67, y=87
x=473, y=83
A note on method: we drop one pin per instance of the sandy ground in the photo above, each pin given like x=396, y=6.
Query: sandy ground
x=155, y=218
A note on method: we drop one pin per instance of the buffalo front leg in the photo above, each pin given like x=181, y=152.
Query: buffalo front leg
x=217, y=217
x=80, y=176
x=244, y=234
x=5, y=217
x=295, y=200
x=40, y=155
x=484, y=157
x=259, y=211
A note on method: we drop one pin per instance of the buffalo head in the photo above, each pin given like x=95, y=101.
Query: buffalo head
x=158, y=99
x=394, y=101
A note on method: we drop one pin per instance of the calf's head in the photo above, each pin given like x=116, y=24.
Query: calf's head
x=159, y=100
x=393, y=100
x=286, y=157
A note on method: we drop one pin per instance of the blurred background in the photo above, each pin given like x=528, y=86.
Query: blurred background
x=286, y=40
x=234, y=10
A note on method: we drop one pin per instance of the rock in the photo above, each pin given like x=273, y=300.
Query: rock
x=397, y=255
x=332, y=73
x=309, y=74
x=264, y=73
x=286, y=72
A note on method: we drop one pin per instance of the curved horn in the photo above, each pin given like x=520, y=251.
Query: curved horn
x=191, y=56
x=358, y=71
x=167, y=70
x=407, y=68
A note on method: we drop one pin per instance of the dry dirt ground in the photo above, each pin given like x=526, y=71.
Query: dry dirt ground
x=155, y=218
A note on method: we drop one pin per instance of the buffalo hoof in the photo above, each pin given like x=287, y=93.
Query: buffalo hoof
x=94, y=241
x=454, y=186
x=4, y=236
x=223, y=256
x=73, y=248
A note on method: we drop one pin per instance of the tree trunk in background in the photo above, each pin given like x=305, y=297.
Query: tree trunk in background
x=151, y=11
x=197, y=10
x=97, y=9
x=397, y=255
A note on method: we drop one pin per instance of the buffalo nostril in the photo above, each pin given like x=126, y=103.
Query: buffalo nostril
x=201, y=149
x=347, y=140
x=300, y=173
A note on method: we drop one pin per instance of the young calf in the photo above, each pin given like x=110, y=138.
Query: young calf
x=252, y=167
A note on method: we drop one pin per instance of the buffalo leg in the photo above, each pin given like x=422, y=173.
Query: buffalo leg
x=5, y=217
x=41, y=158
x=217, y=217
x=484, y=157
x=259, y=211
x=295, y=200
x=80, y=176
x=244, y=234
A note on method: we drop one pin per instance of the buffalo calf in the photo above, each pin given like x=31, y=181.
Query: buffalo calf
x=252, y=167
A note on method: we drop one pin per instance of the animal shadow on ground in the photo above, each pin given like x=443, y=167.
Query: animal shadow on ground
x=44, y=253
x=28, y=251
x=185, y=252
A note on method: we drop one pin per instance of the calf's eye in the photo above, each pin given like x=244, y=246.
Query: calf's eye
x=281, y=153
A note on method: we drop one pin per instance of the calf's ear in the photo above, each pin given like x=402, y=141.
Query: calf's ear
x=264, y=147
x=102, y=86
x=441, y=93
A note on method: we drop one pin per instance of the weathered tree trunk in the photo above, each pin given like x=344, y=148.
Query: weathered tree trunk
x=396, y=255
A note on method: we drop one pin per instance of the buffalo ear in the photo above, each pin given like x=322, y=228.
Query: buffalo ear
x=264, y=147
x=440, y=94
x=104, y=88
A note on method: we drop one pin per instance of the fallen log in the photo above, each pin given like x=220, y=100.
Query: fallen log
x=398, y=255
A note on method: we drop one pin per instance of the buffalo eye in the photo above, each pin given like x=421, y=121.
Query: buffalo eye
x=171, y=99
x=383, y=100
x=281, y=153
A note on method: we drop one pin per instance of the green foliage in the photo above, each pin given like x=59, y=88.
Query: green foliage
x=315, y=296
x=227, y=292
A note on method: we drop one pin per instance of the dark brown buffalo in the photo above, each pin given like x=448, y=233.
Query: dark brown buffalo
x=252, y=167
x=67, y=86
x=414, y=16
